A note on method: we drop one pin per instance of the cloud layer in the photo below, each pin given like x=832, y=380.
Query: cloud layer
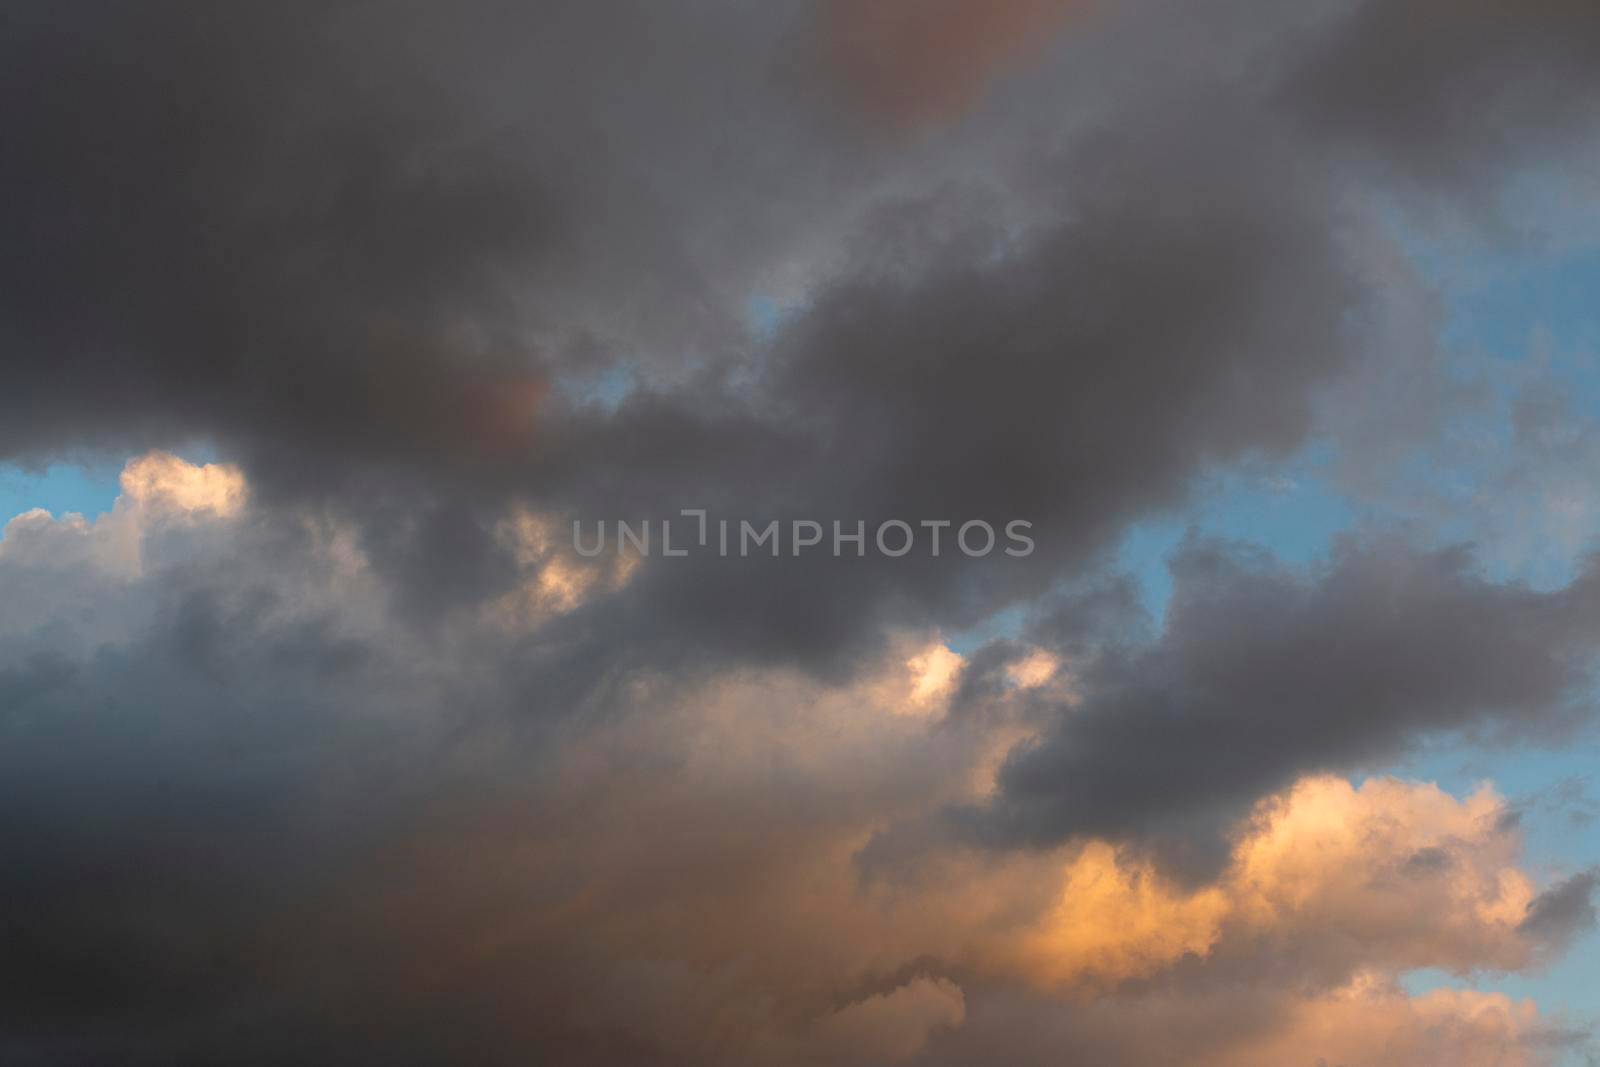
x=336, y=748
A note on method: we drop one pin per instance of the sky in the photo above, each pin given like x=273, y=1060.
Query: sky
x=1260, y=338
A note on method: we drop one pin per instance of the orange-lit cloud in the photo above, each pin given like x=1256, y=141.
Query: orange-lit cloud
x=1399, y=872
x=158, y=489
x=553, y=579
x=1374, y=1023
x=894, y=1026
x=913, y=60
x=696, y=858
x=160, y=479
x=735, y=848
x=1033, y=670
x=1116, y=921
x=934, y=671
x=1393, y=873
x=501, y=415
x=749, y=880
x=1366, y=1021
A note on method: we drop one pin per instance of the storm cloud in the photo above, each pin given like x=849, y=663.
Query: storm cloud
x=324, y=742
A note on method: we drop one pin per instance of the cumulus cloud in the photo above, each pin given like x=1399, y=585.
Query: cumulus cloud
x=335, y=747
x=1369, y=1021
x=892, y=1027
x=678, y=881
x=1264, y=672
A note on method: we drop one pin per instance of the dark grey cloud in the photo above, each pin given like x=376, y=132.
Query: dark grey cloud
x=211, y=233
x=1180, y=314
x=1076, y=375
x=1456, y=92
x=223, y=815
x=1563, y=911
x=369, y=251
x=380, y=230
x=1262, y=674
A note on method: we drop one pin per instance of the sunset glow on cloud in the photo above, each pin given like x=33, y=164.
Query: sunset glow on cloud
x=915, y=59
x=821, y=533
